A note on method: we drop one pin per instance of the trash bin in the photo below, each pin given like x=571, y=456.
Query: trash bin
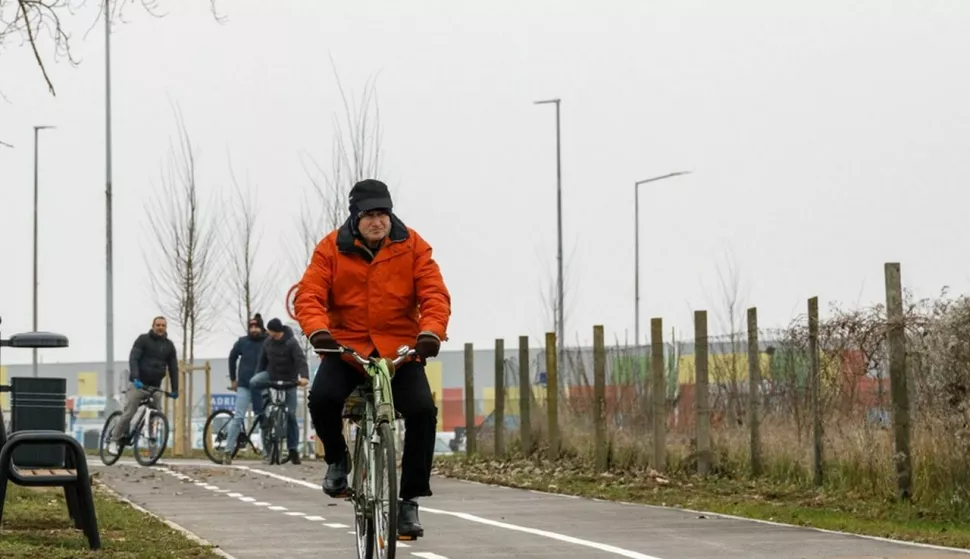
x=38, y=403
x=92, y=439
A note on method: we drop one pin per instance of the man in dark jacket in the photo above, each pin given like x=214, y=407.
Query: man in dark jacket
x=151, y=353
x=282, y=358
x=246, y=352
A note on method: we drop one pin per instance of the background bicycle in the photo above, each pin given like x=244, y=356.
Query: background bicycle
x=277, y=421
x=215, y=436
x=147, y=433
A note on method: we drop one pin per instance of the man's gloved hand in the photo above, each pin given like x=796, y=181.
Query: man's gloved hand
x=175, y=394
x=427, y=345
x=323, y=340
x=138, y=384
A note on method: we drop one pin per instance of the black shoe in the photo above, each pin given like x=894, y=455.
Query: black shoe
x=294, y=457
x=335, y=482
x=408, y=525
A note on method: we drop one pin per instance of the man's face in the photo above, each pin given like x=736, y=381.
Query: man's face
x=375, y=225
x=159, y=327
x=253, y=329
x=276, y=335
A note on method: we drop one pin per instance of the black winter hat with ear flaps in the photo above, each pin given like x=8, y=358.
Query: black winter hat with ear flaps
x=367, y=195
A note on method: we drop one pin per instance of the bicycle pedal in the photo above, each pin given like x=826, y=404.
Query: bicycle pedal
x=405, y=538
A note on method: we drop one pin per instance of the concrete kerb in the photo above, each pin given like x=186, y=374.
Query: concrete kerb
x=188, y=534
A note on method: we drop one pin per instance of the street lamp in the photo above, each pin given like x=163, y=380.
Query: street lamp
x=109, y=323
x=34, y=351
x=636, y=250
x=560, y=335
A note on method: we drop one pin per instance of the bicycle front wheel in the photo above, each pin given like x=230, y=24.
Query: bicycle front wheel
x=154, y=437
x=215, y=444
x=385, y=498
x=109, y=426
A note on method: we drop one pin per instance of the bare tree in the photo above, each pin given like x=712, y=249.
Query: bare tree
x=29, y=19
x=731, y=314
x=184, y=273
x=355, y=155
x=248, y=288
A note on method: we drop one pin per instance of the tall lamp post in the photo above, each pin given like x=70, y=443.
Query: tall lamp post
x=560, y=335
x=636, y=250
x=108, y=276
x=37, y=129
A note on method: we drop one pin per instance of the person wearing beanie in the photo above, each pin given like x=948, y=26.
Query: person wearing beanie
x=373, y=285
x=243, y=358
x=282, y=358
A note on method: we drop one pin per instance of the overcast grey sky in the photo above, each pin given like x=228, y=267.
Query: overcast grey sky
x=825, y=138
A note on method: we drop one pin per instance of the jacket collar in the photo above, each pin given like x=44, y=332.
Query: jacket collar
x=346, y=237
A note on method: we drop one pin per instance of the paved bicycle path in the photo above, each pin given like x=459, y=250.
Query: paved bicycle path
x=251, y=511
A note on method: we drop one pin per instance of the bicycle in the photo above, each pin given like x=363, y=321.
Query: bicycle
x=145, y=416
x=214, y=449
x=371, y=409
x=275, y=412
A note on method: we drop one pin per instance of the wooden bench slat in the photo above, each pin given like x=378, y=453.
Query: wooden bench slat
x=41, y=472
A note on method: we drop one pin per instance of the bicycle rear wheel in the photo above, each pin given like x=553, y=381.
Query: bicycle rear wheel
x=385, y=500
x=156, y=439
x=277, y=434
x=363, y=520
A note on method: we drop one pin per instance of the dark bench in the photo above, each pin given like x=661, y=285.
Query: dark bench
x=73, y=477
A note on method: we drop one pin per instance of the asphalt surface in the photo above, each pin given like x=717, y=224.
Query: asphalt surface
x=253, y=511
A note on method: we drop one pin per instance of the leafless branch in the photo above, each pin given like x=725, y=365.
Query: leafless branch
x=29, y=18
x=184, y=272
x=246, y=290
x=355, y=155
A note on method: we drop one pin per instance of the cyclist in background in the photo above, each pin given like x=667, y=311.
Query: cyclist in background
x=151, y=353
x=372, y=285
x=282, y=358
x=246, y=351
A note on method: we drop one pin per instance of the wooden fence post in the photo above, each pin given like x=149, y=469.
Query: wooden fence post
x=702, y=395
x=659, y=395
x=208, y=389
x=525, y=397
x=552, y=395
x=754, y=391
x=815, y=388
x=897, y=380
x=599, y=399
x=499, y=412
x=470, y=438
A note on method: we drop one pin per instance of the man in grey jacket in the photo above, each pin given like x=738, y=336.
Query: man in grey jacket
x=282, y=358
x=150, y=355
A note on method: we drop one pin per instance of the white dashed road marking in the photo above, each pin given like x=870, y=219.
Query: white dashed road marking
x=277, y=508
x=472, y=518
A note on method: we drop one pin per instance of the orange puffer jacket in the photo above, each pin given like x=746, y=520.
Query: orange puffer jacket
x=368, y=300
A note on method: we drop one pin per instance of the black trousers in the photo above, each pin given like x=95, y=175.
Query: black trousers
x=333, y=383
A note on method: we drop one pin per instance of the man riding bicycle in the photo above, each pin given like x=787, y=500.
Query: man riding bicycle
x=282, y=359
x=246, y=352
x=150, y=355
x=372, y=285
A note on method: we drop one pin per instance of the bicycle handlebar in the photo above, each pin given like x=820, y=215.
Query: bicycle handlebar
x=403, y=353
x=153, y=389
